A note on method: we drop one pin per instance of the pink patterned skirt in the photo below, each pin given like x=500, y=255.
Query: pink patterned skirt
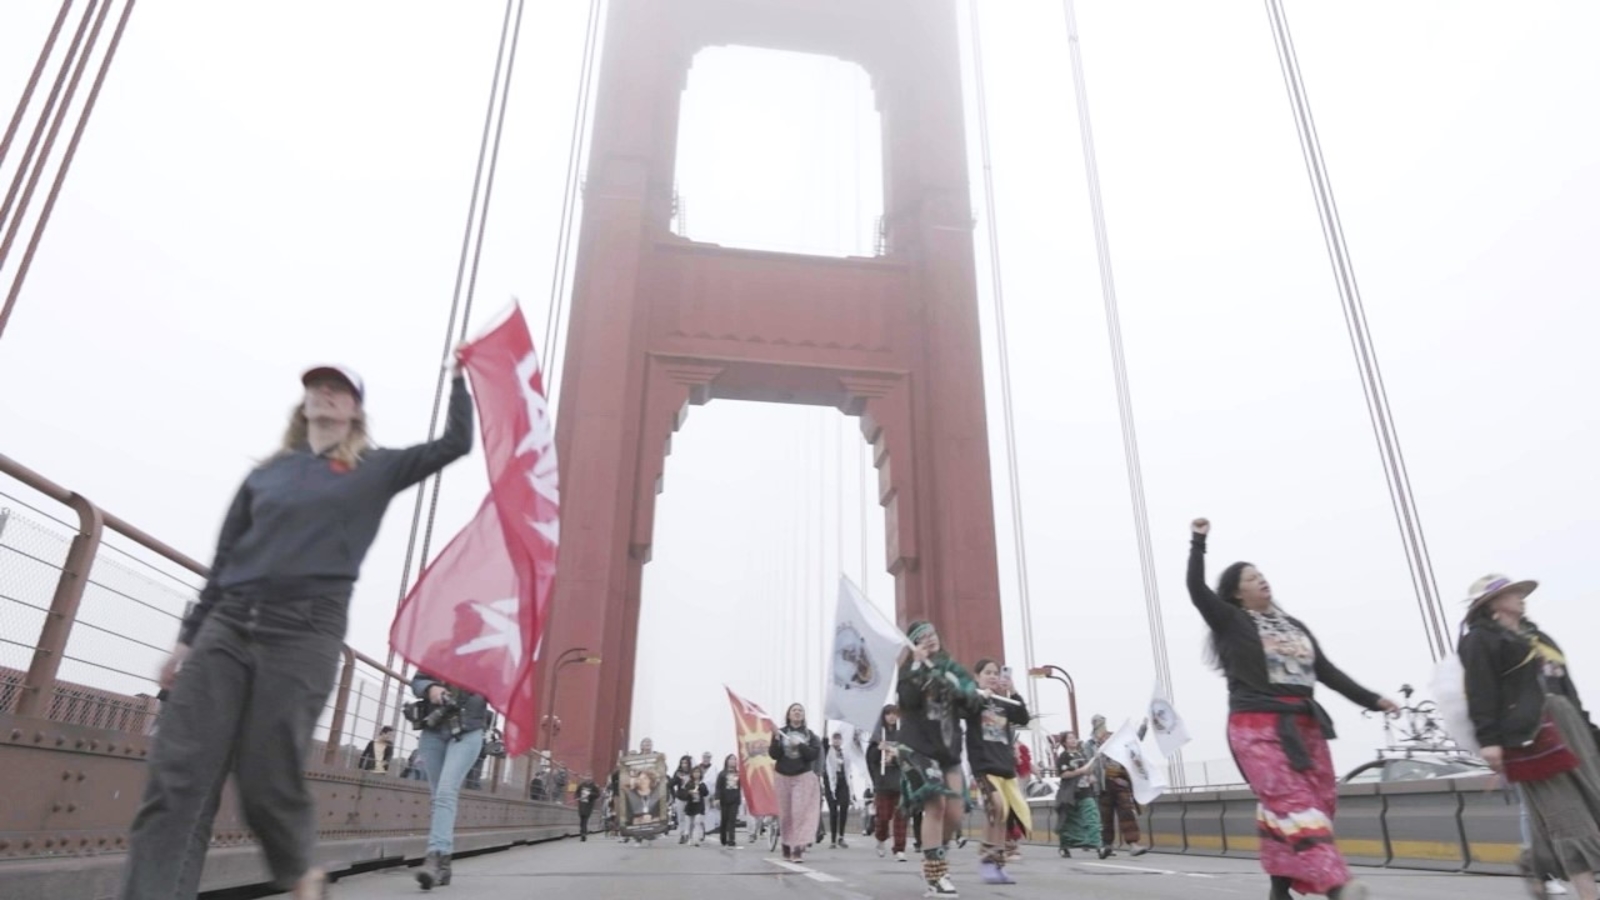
x=799, y=807
x=1294, y=815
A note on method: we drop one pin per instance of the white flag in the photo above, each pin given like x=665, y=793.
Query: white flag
x=862, y=661
x=1145, y=764
x=1165, y=724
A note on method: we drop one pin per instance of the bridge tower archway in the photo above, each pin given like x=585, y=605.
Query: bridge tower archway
x=659, y=322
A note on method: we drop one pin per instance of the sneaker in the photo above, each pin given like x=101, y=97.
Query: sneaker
x=1350, y=890
x=900, y=857
x=843, y=845
x=941, y=888
x=882, y=849
x=1554, y=888
x=990, y=873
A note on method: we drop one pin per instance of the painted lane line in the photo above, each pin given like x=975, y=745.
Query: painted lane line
x=1148, y=870
x=798, y=869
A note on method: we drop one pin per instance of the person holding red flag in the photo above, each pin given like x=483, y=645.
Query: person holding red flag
x=257, y=656
x=474, y=618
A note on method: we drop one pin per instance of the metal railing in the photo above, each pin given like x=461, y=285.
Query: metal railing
x=85, y=626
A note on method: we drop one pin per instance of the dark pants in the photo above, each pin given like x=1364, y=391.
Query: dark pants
x=247, y=699
x=583, y=821
x=730, y=818
x=838, y=807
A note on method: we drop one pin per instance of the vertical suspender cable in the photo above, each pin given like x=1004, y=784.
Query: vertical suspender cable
x=569, y=196
x=1012, y=468
x=450, y=338
x=1407, y=519
x=1119, y=369
x=75, y=59
x=67, y=157
x=33, y=80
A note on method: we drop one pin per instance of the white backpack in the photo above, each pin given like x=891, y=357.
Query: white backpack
x=1450, y=694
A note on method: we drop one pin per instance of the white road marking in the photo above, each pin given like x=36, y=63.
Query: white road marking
x=1148, y=869
x=798, y=869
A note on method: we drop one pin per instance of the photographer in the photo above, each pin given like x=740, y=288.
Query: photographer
x=453, y=725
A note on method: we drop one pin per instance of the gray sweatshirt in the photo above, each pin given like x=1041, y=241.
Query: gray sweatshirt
x=300, y=517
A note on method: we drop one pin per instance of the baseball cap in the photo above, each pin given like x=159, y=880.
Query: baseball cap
x=347, y=375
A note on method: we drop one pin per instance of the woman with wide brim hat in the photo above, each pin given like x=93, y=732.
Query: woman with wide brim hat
x=1533, y=730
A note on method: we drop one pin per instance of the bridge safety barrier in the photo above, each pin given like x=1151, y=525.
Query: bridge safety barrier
x=1454, y=825
x=84, y=625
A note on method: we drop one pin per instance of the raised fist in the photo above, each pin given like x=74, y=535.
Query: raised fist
x=1201, y=526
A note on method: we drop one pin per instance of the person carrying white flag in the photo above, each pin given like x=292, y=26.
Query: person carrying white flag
x=1145, y=765
x=866, y=646
x=1165, y=724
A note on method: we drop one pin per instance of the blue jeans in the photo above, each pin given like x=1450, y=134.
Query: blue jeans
x=447, y=763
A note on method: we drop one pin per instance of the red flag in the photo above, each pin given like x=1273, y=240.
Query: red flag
x=476, y=615
x=753, y=730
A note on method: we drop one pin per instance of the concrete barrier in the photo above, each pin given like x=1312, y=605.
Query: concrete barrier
x=1240, y=834
x=1202, y=824
x=1423, y=823
x=1359, y=825
x=1489, y=824
x=1163, y=827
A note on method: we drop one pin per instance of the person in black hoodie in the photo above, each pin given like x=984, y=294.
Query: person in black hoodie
x=993, y=760
x=935, y=694
x=1532, y=728
x=796, y=749
x=588, y=792
x=692, y=792
x=680, y=798
x=1276, y=729
x=883, y=765
x=728, y=798
x=257, y=656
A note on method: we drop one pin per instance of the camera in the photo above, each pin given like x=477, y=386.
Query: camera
x=426, y=716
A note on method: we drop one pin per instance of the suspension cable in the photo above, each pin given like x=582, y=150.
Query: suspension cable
x=455, y=300
x=569, y=197
x=1013, y=473
x=1407, y=518
x=1119, y=369
x=33, y=82
x=67, y=157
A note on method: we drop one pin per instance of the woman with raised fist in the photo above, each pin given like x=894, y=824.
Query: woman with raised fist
x=1276, y=729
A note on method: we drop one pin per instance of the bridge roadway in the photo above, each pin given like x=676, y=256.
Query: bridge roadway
x=603, y=869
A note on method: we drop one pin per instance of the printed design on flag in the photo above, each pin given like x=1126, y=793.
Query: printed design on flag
x=861, y=660
x=853, y=666
x=753, y=733
x=475, y=616
x=1136, y=762
x=1163, y=718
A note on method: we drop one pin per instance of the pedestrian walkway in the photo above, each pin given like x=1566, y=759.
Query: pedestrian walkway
x=606, y=870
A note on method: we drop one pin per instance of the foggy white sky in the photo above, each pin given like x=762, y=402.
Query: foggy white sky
x=263, y=188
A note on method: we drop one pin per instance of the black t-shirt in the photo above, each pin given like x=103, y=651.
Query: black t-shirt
x=989, y=747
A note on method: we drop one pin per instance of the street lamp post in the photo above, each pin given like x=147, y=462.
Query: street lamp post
x=552, y=724
x=1056, y=673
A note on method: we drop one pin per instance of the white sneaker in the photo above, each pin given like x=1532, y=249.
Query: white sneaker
x=899, y=857
x=942, y=888
x=882, y=850
x=1554, y=887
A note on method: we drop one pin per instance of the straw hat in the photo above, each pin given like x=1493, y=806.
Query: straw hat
x=1491, y=586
